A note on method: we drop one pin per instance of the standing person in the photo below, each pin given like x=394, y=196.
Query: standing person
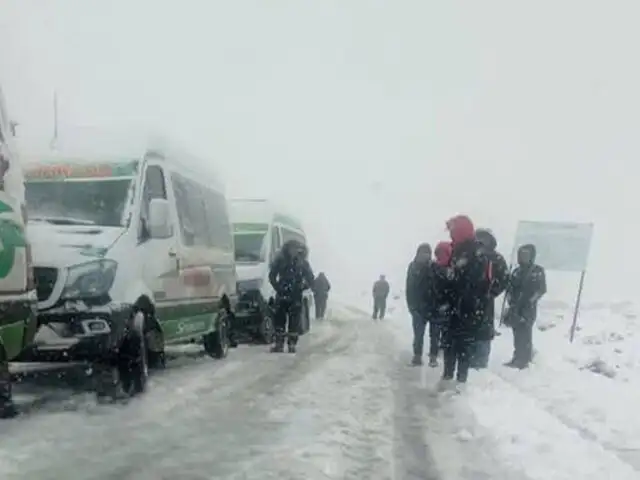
x=499, y=280
x=380, y=294
x=527, y=285
x=290, y=275
x=469, y=289
x=419, y=291
x=443, y=298
x=321, y=287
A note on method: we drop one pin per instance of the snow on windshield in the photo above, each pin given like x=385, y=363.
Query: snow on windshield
x=99, y=202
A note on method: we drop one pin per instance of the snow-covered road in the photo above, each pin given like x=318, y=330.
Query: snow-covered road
x=346, y=406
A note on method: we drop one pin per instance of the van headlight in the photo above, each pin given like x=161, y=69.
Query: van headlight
x=92, y=279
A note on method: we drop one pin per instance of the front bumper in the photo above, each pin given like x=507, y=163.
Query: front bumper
x=79, y=335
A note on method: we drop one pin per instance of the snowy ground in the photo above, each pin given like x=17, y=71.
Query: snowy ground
x=572, y=414
x=348, y=406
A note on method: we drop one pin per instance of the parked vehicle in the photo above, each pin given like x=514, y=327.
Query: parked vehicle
x=17, y=287
x=260, y=229
x=130, y=256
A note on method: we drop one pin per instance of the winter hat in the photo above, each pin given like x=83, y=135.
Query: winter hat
x=461, y=229
x=486, y=238
x=443, y=253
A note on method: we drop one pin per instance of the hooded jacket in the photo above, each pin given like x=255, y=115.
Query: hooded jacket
x=499, y=278
x=419, y=287
x=290, y=272
x=471, y=276
x=526, y=286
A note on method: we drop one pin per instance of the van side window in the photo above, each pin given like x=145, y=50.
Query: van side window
x=154, y=187
x=275, y=241
x=220, y=231
x=187, y=216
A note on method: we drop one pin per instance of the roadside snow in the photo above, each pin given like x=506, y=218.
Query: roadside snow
x=572, y=414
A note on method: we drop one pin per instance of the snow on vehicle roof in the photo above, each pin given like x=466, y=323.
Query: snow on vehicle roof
x=257, y=211
x=93, y=152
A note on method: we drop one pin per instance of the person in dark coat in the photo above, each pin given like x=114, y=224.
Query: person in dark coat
x=321, y=288
x=526, y=286
x=469, y=290
x=499, y=280
x=420, y=301
x=290, y=275
x=444, y=300
x=380, y=294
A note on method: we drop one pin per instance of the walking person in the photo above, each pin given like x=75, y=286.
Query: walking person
x=420, y=300
x=526, y=286
x=380, y=293
x=469, y=290
x=321, y=288
x=289, y=276
x=499, y=279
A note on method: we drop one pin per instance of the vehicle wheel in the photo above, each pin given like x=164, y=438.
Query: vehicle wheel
x=216, y=344
x=154, y=340
x=266, y=329
x=127, y=376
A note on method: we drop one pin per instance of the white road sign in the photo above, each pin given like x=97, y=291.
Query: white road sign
x=560, y=246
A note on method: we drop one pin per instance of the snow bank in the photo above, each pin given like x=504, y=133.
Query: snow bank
x=572, y=414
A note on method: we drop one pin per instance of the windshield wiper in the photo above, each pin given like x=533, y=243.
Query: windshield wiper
x=62, y=220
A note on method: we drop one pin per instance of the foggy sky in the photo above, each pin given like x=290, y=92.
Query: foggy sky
x=373, y=120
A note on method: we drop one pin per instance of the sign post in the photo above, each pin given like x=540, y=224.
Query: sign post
x=560, y=246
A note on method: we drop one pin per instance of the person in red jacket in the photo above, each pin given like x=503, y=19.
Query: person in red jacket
x=470, y=282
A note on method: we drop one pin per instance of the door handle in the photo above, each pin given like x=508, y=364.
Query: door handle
x=173, y=253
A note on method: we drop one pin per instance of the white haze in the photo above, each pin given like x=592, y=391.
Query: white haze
x=373, y=120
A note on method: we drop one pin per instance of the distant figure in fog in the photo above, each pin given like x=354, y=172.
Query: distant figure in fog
x=289, y=276
x=321, y=287
x=380, y=294
x=526, y=286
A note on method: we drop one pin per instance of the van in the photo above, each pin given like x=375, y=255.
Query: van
x=17, y=287
x=260, y=229
x=131, y=252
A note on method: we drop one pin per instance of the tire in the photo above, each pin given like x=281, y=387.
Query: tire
x=127, y=375
x=266, y=330
x=216, y=344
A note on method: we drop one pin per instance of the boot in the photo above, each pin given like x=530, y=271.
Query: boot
x=433, y=361
x=278, y=347
x=416, y=360
x=292, y=342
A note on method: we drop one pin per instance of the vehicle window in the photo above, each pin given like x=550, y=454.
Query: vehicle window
x=249, y=246
x=186, y=217
x=89, y=202
x=220, y=231
x=154, y=187
x=275, y=241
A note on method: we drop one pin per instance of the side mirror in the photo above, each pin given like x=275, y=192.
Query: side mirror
x=159, y=222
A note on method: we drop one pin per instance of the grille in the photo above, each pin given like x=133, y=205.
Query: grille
x=45, y=281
